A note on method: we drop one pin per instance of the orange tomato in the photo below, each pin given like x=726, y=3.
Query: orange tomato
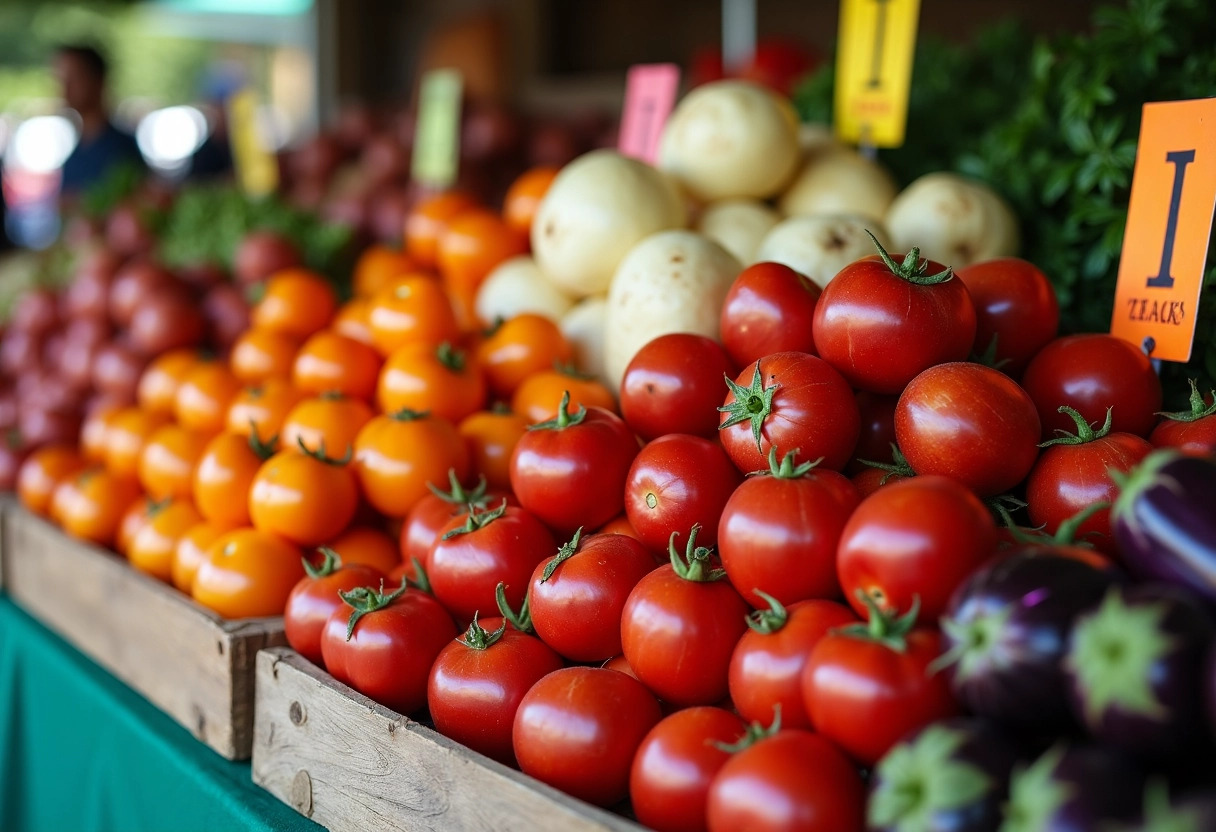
x=397, y=455
x=330, y=421
x=306, y=498
x=524, y=196
x=90, y=504
x=619, y=525
x=133, y=519
x=441, y=380
x=167, y=462
x=130, y=430
x=490, y=436
x=378, y=266
x=412, y=310
x=248, y=574
x=95, y=432
x=472, y=245
x=372, y=547
x=538, y=398
x=205, y=396
x=152, y=550
x=158, y=385
x=296, y=302
x=261, y=354
x=428, y=219
x=262, y=409
x=224, y=476
x=519, y=347
x=329, y=362
x=190, y=552
x=42, y=471
x=354, y=320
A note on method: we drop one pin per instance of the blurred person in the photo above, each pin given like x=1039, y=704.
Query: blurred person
x=81, y=72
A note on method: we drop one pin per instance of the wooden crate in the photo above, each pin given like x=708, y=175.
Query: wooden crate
x=194, y=665
x=351, y=764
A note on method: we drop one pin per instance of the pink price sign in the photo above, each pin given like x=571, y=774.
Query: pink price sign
x=650, y=93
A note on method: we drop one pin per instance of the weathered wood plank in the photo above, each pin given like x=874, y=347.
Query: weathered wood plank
x=351, y=764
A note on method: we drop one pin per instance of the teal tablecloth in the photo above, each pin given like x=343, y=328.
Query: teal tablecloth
x=81, y=751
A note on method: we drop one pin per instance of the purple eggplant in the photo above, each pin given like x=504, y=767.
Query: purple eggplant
x=1209, y=687
x=952, y=776
x=1164, y=521
x=1135, y=666
x=1006, y=629
x=1074, y=789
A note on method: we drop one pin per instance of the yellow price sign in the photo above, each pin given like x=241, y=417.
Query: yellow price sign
x=874, y=70
x=437, y=136
x=257, y=171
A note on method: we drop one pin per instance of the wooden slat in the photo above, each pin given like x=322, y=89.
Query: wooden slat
x=351, y=764
x=189, y=662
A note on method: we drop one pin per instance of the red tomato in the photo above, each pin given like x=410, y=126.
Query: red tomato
x=1072, y=475
x=915, y=539
x=779, y=531
x=1193, y=432
x=383, y=645
x=867, y=686
x=793, y=780
x=680, y=625
x=769, y=308
x=677, y=481
x=791, y=400
x=578, y=595
x=970, y=423
x=478, y=551
x=478, y=681
x=673, y=767
x=881, y=323
x=766, y=667
x=426, y=519
x=578, y=728
x=674, y=385
x=571, y=471
x=315, y=598
x=877, y=430
x=1091, y=373
x=1016, y=311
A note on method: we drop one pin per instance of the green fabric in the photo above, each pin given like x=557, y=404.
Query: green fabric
x=82, y=751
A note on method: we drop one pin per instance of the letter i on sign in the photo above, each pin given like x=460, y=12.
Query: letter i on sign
x=1169, y=224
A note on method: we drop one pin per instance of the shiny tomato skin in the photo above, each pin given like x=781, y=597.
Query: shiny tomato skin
x=574, y=476
x=1197, y=438
x=674, y=482
x=674, y=765
x=678, y=635
x=578, y=729
x=313, y=600
x=303, y=499
x=426, y=520
x=780, y=535
x=1014, y=303
x=389, y=655
x=766, y=668
x=970, y=423
x=473, y=694
x=877, y=412
x=879, y=330
x=577, y=609
x=90, y=504
x=914, y=539
x=397, y=456
x=248, y=574
x=674, y=385
x=792, y=780
x=865, y=696
x=465, y=569
x=1090, y=373
x=769, y=308
x=812, y=409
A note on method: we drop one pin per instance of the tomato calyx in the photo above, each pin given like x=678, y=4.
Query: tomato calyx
x=694, y=565
x=1085, y=431
x=263, y=449
x=331, y=562
x=365, y=599
x=564, y=553
x=478, y=518
x=521, y=620
x=476, y=638
x=1199, y=407
x=890, y=629
x=752, y=734
x=766, y=622
x=320, y=455
x=501, y=408
x=786, y=469
x=564, y=417
x=155, y=507
x=567, y=369
x=450, y=357
x=12, y=438
x=753, y=403
x=988, y=358
x=407, y=415
x=332, y=396
x=457, y=495
x=897, y=467
x=1066, y=532
x=911, y=268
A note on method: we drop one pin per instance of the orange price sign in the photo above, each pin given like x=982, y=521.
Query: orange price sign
x=1169, y=224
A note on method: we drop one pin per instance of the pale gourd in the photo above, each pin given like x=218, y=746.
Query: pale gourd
x=583, y=327
x=835, y=179
x=955, y=221
x=516, y=286
x=820, y=246
x=738, y=225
